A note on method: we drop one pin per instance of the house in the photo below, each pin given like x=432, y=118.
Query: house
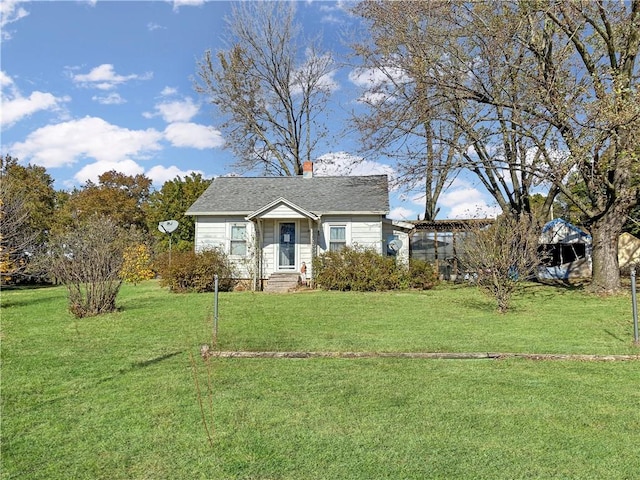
x=567, y=251
x=628, y=251
x=271, y=226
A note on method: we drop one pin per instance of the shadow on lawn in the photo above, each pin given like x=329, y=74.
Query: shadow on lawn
x=611, y=334
x=550, y=289
x=142, y=364
x=153, y=361
x=14, y=299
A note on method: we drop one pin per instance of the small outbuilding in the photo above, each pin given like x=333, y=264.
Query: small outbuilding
x=628, y=251
x=566, y=250
x=441, y=243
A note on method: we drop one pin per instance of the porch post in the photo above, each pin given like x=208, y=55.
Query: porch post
x=257, y=274
x=312, y=239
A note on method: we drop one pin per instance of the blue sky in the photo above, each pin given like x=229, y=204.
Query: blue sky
x=92, y=86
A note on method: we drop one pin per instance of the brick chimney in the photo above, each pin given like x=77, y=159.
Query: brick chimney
x=307, y=169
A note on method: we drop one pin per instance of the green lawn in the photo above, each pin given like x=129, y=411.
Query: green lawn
x=113, y=397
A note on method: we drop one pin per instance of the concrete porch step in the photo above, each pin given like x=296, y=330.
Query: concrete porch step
x=281, y=282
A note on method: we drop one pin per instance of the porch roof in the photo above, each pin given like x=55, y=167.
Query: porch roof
x=272, y=206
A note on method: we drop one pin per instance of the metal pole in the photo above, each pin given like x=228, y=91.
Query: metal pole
x=634, y=302
x=215, y=309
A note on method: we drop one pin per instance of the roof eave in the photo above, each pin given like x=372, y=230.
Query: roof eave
x=216, y=213
x=399, y=224
x=354, y=212
x=316, y=215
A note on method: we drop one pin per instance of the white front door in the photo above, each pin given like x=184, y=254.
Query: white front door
x=287, y=246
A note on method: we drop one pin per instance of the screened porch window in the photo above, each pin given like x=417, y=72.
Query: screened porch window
x=238, y=240
x=337, y=237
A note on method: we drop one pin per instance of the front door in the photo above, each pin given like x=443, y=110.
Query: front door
x=287, y=250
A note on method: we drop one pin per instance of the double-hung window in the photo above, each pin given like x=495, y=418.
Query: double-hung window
x=238, y=245
x=337, y=237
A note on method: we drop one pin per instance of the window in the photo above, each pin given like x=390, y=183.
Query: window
x=337, y=238
x=557, y=254
x=238, y=240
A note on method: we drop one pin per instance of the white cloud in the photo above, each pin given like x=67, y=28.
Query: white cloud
x=15, y=107
x=167, y=91
x=111, y=99
x=177, y=111
x=10, y=11
x=151, y=26
x=367, y=77
x=104, y=77
x=161, y=174
x=478, y=209
x=340, y=7
x=377, y=84
x=193, y=135
x=402, y=213
x=5, y=80
x=90, y=137
x=328, y=82
x=314, y=65
x=451, y=198
x=186, y=3
x=468, y=202
x=343, y=163
x=94, y=170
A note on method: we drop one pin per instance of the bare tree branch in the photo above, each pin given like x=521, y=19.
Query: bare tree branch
x=268, y=90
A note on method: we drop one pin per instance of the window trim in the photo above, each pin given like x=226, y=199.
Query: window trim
x=234, y=241
x=347, y=235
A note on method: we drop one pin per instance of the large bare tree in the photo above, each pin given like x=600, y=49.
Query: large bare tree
x=587, y=83
x=542, y=90
x=269, y=87
x=423, y=50
x=403, y=118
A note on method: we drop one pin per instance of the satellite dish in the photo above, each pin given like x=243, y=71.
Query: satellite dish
x=395, y=244
x=168, y=226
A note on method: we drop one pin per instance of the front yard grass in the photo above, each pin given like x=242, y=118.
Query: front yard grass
x=114, y=397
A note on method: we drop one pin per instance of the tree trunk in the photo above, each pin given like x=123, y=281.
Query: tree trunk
x=605, y=232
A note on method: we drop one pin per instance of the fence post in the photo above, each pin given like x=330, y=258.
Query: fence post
x=634, y=303
x=215, y=310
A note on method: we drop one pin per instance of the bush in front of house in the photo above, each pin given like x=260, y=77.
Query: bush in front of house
x=422, y=275
x=365, y=270
x=194, y=271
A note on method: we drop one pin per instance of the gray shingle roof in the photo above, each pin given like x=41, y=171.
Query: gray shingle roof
x=320, y=195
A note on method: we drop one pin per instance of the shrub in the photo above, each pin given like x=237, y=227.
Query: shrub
x=136, y=266
x=194, y=272
x=422, y=275
x=502, y=254
x=365, y=270
x=87, y=259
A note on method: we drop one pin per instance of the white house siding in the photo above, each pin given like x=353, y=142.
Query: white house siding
x=389, y=232
x=364, y=231
x=214, y=232
x=282, y=211
x=268, y=247
x=304, y=253
x=210, y=233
